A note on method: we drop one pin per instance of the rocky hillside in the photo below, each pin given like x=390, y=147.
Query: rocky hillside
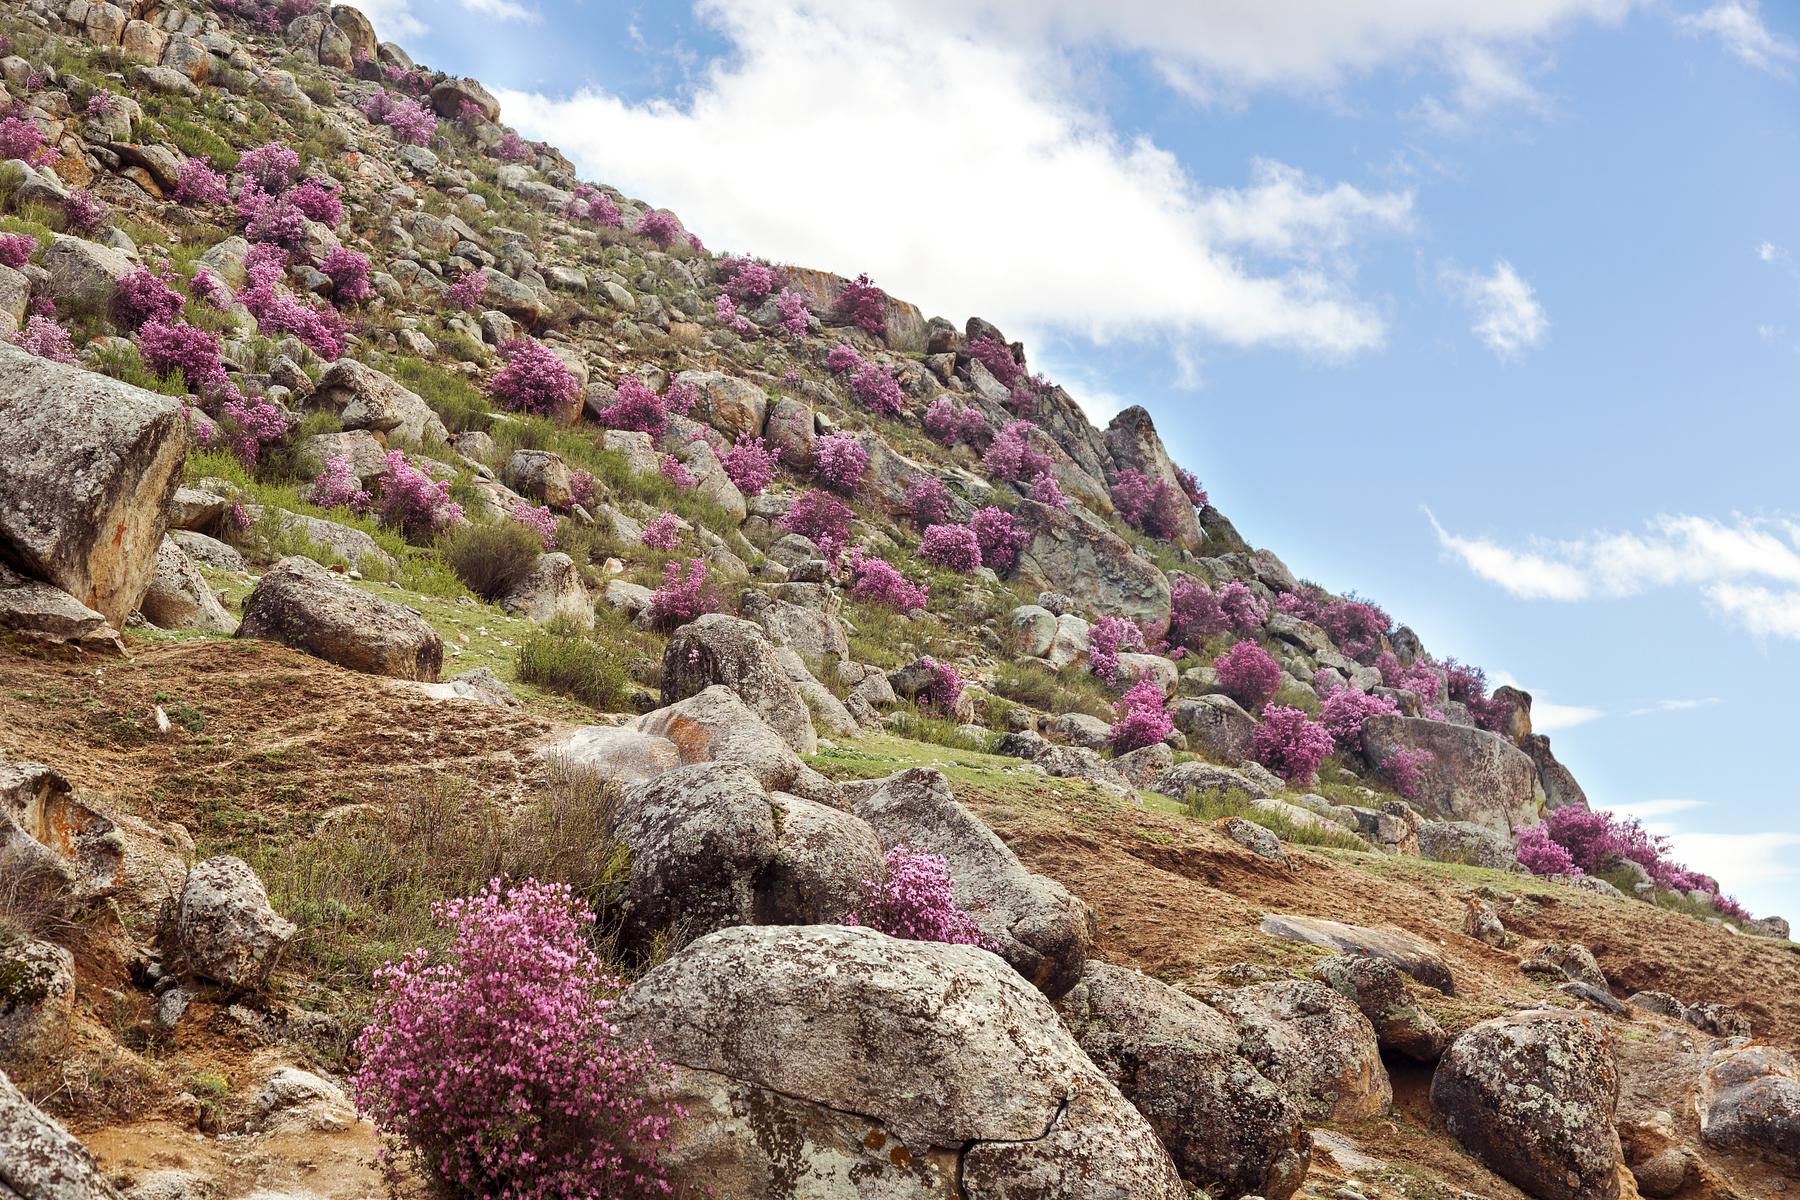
x=500, y=700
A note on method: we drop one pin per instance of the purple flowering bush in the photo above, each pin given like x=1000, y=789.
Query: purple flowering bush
x=877, y=581
x=999, y=536
x=1107, y=638
x=1012, y=457
x=409, y=120
x=1542, y=854
x=1147, y=505
x=197, y=183
x=661, y=531
x=927, y=500
x=272, y=167
x=512, y=148
x=1190, y=487
x=495, y=1064
x=863, y=305
x=318, y=201
x=839, y=460
x=167, y=346
x=467, y=291
x=1248, y=674
x=1344, y=711
x=1141, y=718
x=843, y=358
x=538, y=518
x=793, y=312
x=749, y=464
x=534, y=380
x=747, y=280
x=659, y=226
x=349, y=275
x=1290, y=743
x=20, y=138
x=943, y=688
x=143, y=294
x=676, y=472
x=877, y=390
x=950, y=424
x=1404, y=769
x=953, y=547
x=683, y=595
x=277, y=312
x=1045, y=490
x=412, y=501
x=1243, y=609
x=45, y=338
x=251, y=424
x=997, y=357
x=337, y=486
x=1194, y=613
x=16, y=250
x=636, y=407
x=916, y=899
x=821, y=518
x=84, y=212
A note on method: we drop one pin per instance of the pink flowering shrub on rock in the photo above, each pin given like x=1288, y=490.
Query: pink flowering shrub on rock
x=953, y=547
x=349, y=275
x=676, y=472
x=839, y=460
x=512, y=148
x=659, y=226
x=877, y=390
x=661, y=531
x=943, y=688
x=1141, y=718
x=1243, y=609
x=843, y=358
x=1248, y=674
x=1345, y=710
x=1045, y=490
x=999, y=536
x=84, y=213
x=684, y=594
x=534, y=380
x=1195, y=613
x=997, y=357
x=863, y=305
x=412, y=501
x=636, y=407
x=746, y=280
x=250, y=425
x=271, y=166
x=197, y=183
x=1541, y=854
x=167, y=346
x=1012, y=457
x=1404, y=769
x=318, y=202
x=915, y=899
x=45, y=338
x=496, y=1066
x=927, y=500
x=877, y=581
x=537, y=518
x=1107, y=638
x=950, y=424
x=1290, y=743
x=793, y=312
x=1147, y=505
x=16, y=250
x=278, y=312
x=1418, y=679
x=749, y=464
x=1190, y=487
x=821, y=518
x=467, y=291
x=726, y=313
x=1597, y=841
x=337, y=486
x=410, y=121
x=143, y=294
x=20, y=138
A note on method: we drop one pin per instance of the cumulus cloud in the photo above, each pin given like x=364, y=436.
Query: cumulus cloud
x=1739, y=27
x=813, y=141
x=1740, y=861
x=1733, y=563
x=1507, y=316
x=1648, y=811
x=393, y=19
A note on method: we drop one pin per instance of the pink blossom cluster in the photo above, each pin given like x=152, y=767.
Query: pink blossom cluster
x=44, y=337
x=1141, y=718
x=277, y=312
x=943, y=687
x=997, y=357
x=676, y=472
x=197, y=183
x=271, y=167
x=950, y=424
x=1011, y=456
x=1046, y=491
x=338, y=487
x=839, y=461
x=1243, y=609
x=1147, y=505
x=927, y=500
x=1419, y=678
x=876, y=389
x=1190, y=487
x=591, y=204
x=467, y=291
x=725, y=311
x=581, y=486
x=143, y=294
x=318, y=201
x=1542, y=854
x=1194, y=613
x=636, y=407
x=84, y=212
x=749, y=464
x=915, y=899
x=251, y=424
x=660, y=226
x=821, y=518
x=495, y=1064
x=1290, y=743
x=862, y=304
x=1000, y=537
x=411, y=122
x=538, y=518
x=167, y=346
x=843, y=358
x=20, y=138
x=533, y=380
x=793, y=311
x=953, y=547
x=1344, y=712
x=661, y=532
x=683, y=594
x=1107, y=639
x=512, y=148
x=877, y=581
x=1248, y=674
x=16, y=250
x=1598, y=840
x=1404, y=769
x=412, y=501
x=349, y=275
x=747, y=280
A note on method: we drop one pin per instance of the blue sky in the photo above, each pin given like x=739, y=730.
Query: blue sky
x=1487, y=311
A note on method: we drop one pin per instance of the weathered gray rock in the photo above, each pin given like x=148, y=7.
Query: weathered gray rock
x=890, y=1068
x=1560, y=788
x=1227, y=1128
x=1474, y=775
x=356, y=548
x=1076, y=553
x=822, y=857
x=301, y=604
x=616, y=753
x=1185, y=778
x=296, y=1101
x=553, y=589
x=1143, y=767
x=715, y=725
x=179, y=598
x=39, y=612
x=37, y=993
x=88, y=467
x=1466, y=842
x=1532, y=1096
x=1378, y=989
x=83, y=275
x=1569, y=960
x=1253, y=837
x=1217, y=725
x=1749, y=1099
x=43, y=824
x=364, y=398
x=1408, y=953
x=1038, y=927
x=718, y=649
x=735, y=407
x=540, y=475
x=1078, y=762
x=42, y=1160
x=449, y=97
x=1314, y=1045
x=1133, y=444
x=225, y=927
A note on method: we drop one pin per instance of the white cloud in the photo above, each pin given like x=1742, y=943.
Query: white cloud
x=1668, y=706
x=1508, y=318
x=1527, y=576
x=502, y=10
x=1769, y=252
x=1648, y=810
x=393, y=19
x=818, y=138
x=1740, y=860
x=1547, y=717
x=1761, y=611
x=1739, y=26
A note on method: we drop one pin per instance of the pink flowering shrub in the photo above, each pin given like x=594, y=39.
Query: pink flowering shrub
x=1141, y=718
x=950, y=424
x=1598, y=840
x=661, y=531
x=793, y=311
x=144, y=295
x=943, y=688
x=676, y=472
x=20, y=138
x=726, y=312
x=409, y=120
x=1344, y=711
x=839, y=461
x=636, y=407
x=749, y=464
x=318, y=202
x=84, y=212
x=877, y=390
x=512, y=148
x=1419, y=678
x=349, y=275
x=1190, y=487
x=251, y=425
x=1248, y=674
x=1107, y=638
x=1194, y=613
x=16, y=250
x=591, y=204
x=927, y=500
x=337, y=486
x=997, y=357
x=277, y=312
x=683, y=595
x=747, y=280
x=45, y=338
x=581, y=486
x=660, y=226
x=999, y=537
x=167, y=346
x=877, y=581
x=1355, y=626
x=467, y=291
x=1542, y=854
x=1462, y=683
x=270, y=219
x=198, y=183
x=1290, y=743
x=412, y=501
x=534, y=380
x=821, y=518
x=953, y=547
x=496, y=1066
x=843, y=358
x=1404, y=769
x=1045, y=490
x=863, y=305
x=916, y=899
x=1243, y=609
x=271, y=167
x=1147, y=505
x=1011, y=456
x=538, y=518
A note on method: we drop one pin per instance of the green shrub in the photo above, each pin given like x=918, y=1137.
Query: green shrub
x=491, y=559
x=908, y=722
x=1072, y=689
x=576, y=666
x=456, y=401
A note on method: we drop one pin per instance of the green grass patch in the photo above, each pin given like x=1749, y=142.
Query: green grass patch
x=1214, y=804
x=577, y=665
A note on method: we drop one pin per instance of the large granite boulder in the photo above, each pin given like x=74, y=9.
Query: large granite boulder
x=1216, y=724
x=715, y=725
x=35, y=611
x=1314, y=1045
x=88, y=468
x=39, y=1159
x=1749, y=1099
x=719, y=649
x=1133, y=444
x=735, y=407
x=301, y=604
x=1532, y=1096
x=451, y=96
x=364, y=398
x=1474, y=775
x=1228, y=1128
x=1076, y=553
x=1038, y=927
x=1378, y=989
x=1558, y=782
x=82, y=275
x=1411, y=955
x=225, y=927
x=179, y=598
x=832, y=1061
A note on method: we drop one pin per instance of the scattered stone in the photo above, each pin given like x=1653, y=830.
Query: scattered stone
x=42, y=1160
x=225, y=927
x=1749, y=1099
x=1378, y=989
x=1402, y=949
x=718, y=649
x=301, y=604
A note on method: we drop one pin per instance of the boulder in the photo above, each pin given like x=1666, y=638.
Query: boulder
x=364, y=398
x=301, y=604
x=1532, y=1096
x=1217, y=725
x=1253, y=837
x=48, y=829
x=552, y=589
x=42, y=1160
x=615, y=753
x=1569, y=960
x=1080, y=729
x=1076, y=553
x=1078, y=762
x=358, y=30
x=37, y=994
x=35, y=611
x=1749, y=1099
x=1228, y=1129
x=831, y=1061
x=715, y=725
x=719, y=649
x=1314, y=1045
x=822, y=857
x=735, y=407
x=179, y=597
x=1560, y=788
x=88, y=468
x=1378, y=989
x=1406, y=952
x=1133, y=444
x=541, y=476
x=1183, y=779
x=1144, y=766
x=1038, y=927
x=1466, y=842
x=296, y=1101
x=225, y=927
x=1474, y=775
x=1032, y=628
x=451, y=95
x=1516, y=726
x=82, y=275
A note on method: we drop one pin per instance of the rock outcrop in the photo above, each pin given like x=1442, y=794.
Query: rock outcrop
x=1474, y=776
x=225, y=927
x=301, y=604
x=717, y=649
